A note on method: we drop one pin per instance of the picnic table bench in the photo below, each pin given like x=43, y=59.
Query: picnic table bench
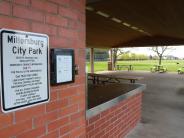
x=129, y=67
x=158, y=68
x=97, y=78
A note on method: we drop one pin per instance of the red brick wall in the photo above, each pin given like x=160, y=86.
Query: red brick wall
x=64, y=22
x=117, y=121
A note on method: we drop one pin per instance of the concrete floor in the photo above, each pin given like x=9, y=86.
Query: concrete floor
x=163, y=106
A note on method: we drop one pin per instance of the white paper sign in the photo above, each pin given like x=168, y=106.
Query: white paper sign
x=64, y=68
x=24, y=71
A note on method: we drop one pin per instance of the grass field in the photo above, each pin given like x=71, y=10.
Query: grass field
x=145, y=65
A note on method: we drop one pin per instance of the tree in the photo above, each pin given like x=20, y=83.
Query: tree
x=160, y=50
x=116, y=52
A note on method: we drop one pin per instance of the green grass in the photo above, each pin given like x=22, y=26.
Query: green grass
x=142, y=65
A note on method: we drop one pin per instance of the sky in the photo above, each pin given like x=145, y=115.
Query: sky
x=178, y=51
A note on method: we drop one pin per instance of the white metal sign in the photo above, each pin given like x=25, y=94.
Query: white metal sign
x=24, y=69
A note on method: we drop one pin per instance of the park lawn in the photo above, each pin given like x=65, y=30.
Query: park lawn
x=141, y=65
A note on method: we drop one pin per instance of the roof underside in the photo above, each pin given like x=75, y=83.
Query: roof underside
x=131, y=23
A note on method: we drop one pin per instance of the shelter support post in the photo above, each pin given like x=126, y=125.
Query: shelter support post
x=92, y=60
x=110, y=63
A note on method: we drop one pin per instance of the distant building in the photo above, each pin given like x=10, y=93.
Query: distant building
x=99, y=54
x=170, y=57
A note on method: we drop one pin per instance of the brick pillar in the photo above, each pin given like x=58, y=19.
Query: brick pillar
x=64, y=22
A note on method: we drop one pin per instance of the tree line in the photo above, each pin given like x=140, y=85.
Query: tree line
x=120, y=54
x=134, y=56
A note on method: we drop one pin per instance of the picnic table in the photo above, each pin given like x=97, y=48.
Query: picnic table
x=102, y=78
x=181, y=70
x=129, y=67
x=158, y=68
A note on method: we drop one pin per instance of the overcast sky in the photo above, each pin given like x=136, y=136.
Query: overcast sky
x=178, y=52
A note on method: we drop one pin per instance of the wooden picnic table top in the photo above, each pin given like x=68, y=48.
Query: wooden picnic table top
x=123, y=65
x=129, y=77
x=120, y=66
x=98, y=75
x=116, y=77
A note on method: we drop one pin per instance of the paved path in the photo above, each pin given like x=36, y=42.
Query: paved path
x=163, y=106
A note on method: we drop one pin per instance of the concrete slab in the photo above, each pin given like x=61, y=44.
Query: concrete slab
x=163, y=106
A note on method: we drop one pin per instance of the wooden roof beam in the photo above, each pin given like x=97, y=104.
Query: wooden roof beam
x=92, y=1
x=156, y=40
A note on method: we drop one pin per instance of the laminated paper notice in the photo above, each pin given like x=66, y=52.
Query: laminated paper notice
x=64, y=68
